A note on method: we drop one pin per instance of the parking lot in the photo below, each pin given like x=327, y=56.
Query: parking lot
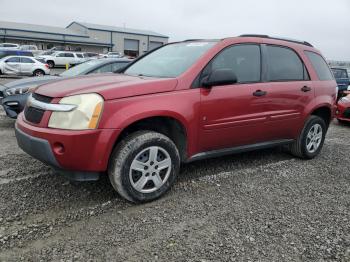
x=258, y=206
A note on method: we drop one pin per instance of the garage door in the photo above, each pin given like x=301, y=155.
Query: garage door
x=132, y=45
x=154, y=44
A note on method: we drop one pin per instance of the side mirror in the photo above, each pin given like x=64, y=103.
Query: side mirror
x=220, y=77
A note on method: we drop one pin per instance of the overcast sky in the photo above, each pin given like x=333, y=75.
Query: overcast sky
x=325, y=24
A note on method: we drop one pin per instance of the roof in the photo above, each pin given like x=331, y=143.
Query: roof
x=39, y=28
x=118, y=29
x=279, y=38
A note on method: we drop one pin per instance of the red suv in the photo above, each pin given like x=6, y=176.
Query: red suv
x=182, y=102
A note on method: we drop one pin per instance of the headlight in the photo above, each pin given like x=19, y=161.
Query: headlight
x=19, y=90
x=85, y=116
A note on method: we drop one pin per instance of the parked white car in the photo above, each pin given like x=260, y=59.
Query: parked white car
x=31, y=48
x=62, y=58
x=9, y=46
x=23, y=65
x=113, y=55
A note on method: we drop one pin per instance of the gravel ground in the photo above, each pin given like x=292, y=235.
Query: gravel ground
x=258, y=206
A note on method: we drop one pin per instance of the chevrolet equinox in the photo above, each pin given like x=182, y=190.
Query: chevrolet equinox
x=182, y=102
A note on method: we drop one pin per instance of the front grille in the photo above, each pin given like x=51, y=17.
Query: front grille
x=33, y=115
x=347, y=113
x=42, y=98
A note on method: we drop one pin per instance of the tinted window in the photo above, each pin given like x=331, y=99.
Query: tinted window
x=78, y=55
x=61, y=55
x=12, y=60
x=27, y=60
x=82, y=68
x=339, y=73
x=103, y=69
x=244, y=60
x=284, y=65
x=320, y=66
x=69, y=55
x=116, y=66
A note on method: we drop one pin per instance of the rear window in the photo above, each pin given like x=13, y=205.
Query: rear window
x=320, y=66
x=284, y=65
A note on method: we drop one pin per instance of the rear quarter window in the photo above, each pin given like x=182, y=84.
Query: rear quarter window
x=320, y=66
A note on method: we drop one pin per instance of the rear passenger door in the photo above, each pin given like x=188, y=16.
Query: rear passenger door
x=288, y=91
x=69, y=58
x=26, y=65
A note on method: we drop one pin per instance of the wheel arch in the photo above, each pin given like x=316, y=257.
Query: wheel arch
x=323, y=111
x=166, y=124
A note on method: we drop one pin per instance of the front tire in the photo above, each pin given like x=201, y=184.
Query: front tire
x=144, y=166
x=311, y=139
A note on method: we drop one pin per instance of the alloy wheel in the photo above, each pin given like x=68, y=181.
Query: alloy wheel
x=314, y=138
x=150, y=169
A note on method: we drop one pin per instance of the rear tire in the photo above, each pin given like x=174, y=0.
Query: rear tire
x=38, y=72
x=50, y=63
x=144, y=166
x=311, y=139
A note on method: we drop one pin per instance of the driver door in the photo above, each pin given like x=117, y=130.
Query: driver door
x=60, y=59
x=233, y=115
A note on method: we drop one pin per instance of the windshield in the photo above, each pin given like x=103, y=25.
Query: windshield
x=81, y=68
x=169, y=61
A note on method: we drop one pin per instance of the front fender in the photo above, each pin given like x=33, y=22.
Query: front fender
x=182, y=106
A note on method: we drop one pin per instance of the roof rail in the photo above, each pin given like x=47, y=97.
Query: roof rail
x=192, y=40
x=278, y=38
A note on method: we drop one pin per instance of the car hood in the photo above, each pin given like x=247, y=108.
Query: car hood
x=31, y=81
x=110, y=86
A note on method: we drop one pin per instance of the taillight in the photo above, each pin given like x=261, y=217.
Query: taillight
x=47, y=66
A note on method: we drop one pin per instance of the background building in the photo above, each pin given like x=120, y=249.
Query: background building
x=83, y=37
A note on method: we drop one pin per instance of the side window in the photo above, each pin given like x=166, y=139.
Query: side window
x=80, y=55
x=243, y=59
x=320, y=66
x=13, y=60
x=27, y=60
x=61, y=55
x=283, y=64
x=117, y=66
x=69, y=55
x=103, y=69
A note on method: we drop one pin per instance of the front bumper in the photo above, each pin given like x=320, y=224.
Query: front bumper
x=15, y=104
x=78, y=155
x=343, y=112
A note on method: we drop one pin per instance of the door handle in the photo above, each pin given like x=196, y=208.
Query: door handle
x=305, y=89
x=259, y=93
